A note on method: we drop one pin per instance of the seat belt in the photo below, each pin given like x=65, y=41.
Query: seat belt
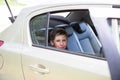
x=113, y=59
x=110, y=49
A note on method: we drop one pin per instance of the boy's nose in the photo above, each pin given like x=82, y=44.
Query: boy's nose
x=61, y=43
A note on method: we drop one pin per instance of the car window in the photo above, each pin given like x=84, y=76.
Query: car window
x=37, y=29
x=65, y=14
x=82, y=36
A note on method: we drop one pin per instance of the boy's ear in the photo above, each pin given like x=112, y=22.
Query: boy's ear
x=51, y=42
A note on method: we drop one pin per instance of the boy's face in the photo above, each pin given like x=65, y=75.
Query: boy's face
x=60, y=41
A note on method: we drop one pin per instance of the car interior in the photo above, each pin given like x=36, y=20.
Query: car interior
x=82, y=36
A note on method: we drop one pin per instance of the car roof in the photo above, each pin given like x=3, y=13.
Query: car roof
x=105, y=12
x=82, y=2
x=77, y=1
x=58, y=3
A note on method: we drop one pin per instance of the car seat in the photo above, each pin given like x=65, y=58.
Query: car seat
x=73, y=43
x=82, y=38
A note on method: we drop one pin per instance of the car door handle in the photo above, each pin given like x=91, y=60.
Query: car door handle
x=39, y=68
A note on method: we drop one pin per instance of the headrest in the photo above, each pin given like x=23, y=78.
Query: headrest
x=66, y=27
x=78, y=27
x=61, y=26
x=56, y=20
x=59, y=18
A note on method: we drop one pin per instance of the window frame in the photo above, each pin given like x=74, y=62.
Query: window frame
x=46, y=46
x=45, y=25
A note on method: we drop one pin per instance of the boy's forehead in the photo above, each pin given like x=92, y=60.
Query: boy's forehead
x=60, y=37
x=58, y=34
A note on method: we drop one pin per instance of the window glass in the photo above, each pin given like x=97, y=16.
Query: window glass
x=37, y=29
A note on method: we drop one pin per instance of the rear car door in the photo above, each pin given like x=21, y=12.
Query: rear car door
x=47, y=63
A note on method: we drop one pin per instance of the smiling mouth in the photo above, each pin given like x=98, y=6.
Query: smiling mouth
x=62, y=47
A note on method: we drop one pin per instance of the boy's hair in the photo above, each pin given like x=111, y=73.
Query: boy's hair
x=57, y=31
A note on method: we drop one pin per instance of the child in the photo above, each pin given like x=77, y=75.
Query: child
x=58, y=38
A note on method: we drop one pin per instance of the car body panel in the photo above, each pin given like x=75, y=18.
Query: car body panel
x=11, y=65
x=62, y=66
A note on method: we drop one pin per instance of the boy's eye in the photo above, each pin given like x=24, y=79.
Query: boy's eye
x=64, y=40
x=58, y=40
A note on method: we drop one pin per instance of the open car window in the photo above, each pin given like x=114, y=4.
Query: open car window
x=82, y=36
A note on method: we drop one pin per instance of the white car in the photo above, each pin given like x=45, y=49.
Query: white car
x=92, y=49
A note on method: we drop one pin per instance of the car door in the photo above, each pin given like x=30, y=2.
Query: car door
x=46, y=64
x=41, y=62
